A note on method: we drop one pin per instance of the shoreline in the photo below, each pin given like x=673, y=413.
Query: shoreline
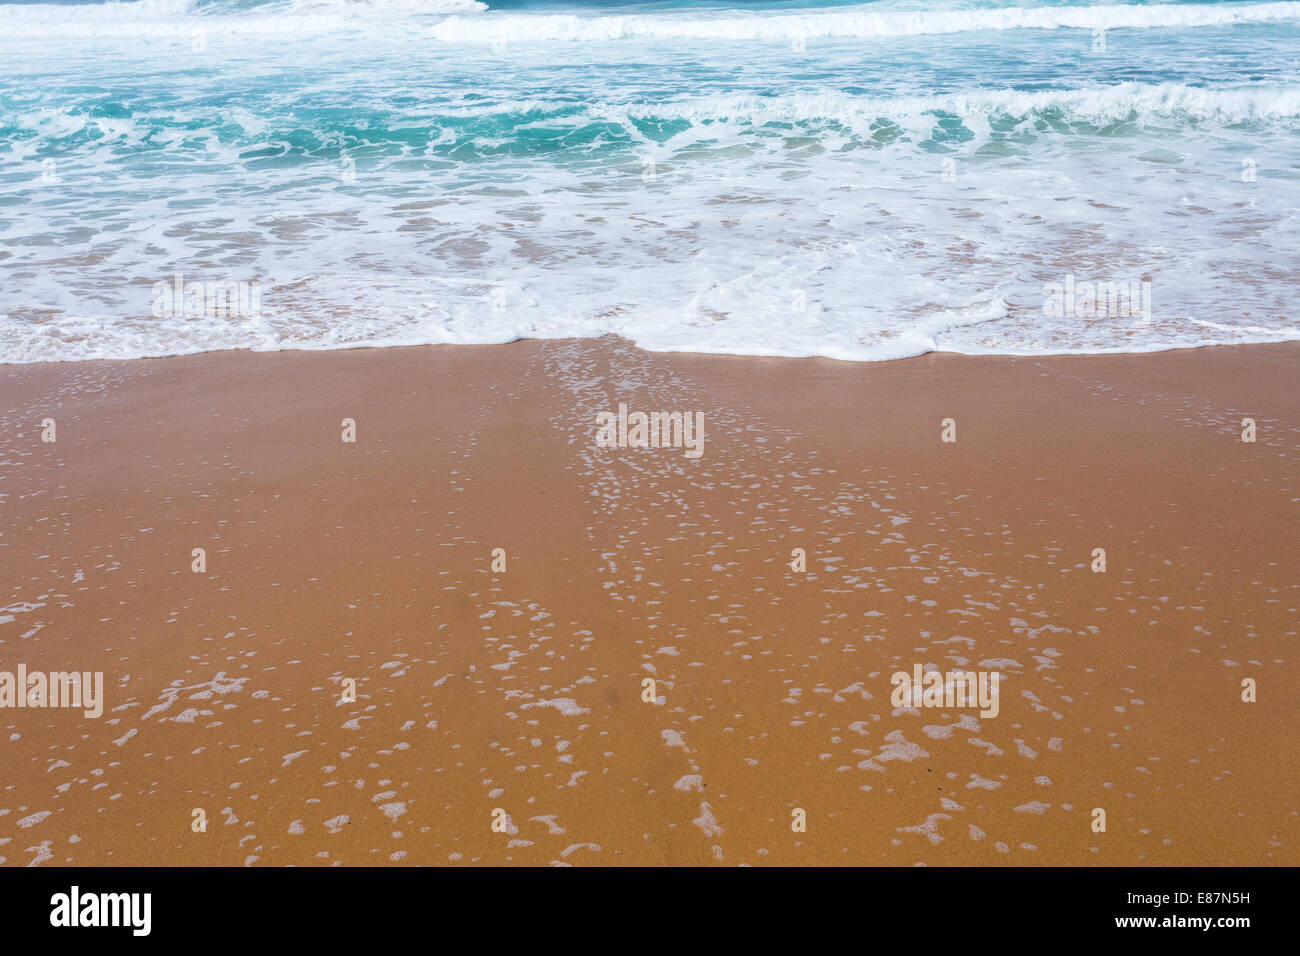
x=521, y=689
x=608, y=337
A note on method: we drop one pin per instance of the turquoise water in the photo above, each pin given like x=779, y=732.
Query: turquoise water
x=862, y=181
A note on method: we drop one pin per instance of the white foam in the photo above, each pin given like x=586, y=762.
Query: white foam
x=801, y=223
x=565, y=705
x=187, y=20
x=857, y=22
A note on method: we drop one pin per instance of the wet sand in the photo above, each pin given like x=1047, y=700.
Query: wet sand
x=521, y=690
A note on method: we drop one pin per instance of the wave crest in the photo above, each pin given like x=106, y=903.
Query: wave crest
x=853, y=22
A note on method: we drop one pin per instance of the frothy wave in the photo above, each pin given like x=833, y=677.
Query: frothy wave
x=183, y=18
x=1103, y=104
x=462, y=129
x=471, y=22
x=855, y=22
x=390, y=7
x=858, y=201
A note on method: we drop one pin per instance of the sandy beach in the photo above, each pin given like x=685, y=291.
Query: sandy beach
x=521, y=689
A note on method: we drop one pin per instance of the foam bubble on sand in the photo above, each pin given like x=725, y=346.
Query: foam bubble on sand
x=897, y=747
x=393, y=810
x=43, y=853
x=706, y=821
x=928, y=829
x=565, y=705
x=220, y=685
x=553, y=828
x=337, y=823
x=34, y=818
x=674, y=739
x=857, y=688
x=22, y=607
x=1033, y=806
x=690, y=782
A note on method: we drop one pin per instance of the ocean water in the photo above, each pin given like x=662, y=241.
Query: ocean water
x=862, y=181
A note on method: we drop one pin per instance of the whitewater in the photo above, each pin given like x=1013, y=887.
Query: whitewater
x=856, y=181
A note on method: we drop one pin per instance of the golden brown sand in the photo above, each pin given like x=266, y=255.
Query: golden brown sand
x=522, y=690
